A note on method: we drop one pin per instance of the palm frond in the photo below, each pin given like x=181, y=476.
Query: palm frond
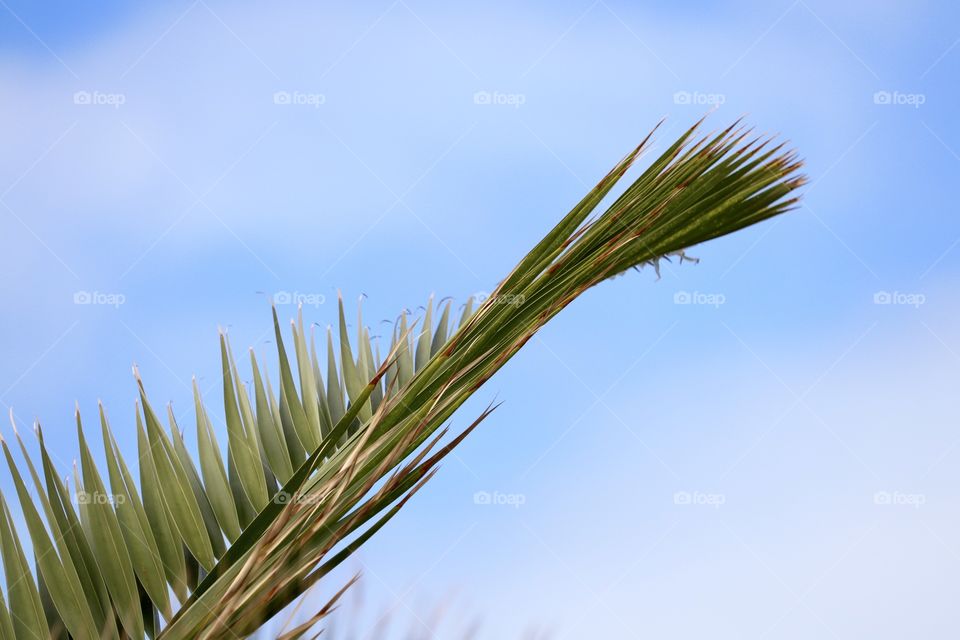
x=209, y=547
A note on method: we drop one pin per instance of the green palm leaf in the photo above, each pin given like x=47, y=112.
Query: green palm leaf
x=315, y=469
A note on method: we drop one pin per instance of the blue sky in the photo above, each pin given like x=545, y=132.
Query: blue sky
x=190, y=156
